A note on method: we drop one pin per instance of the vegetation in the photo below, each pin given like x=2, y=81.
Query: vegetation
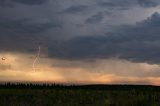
x=87, y=95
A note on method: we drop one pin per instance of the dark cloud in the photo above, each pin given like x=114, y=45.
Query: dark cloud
x=24, y=35
x=10, y=3
x=20, y=31
x=2, y=2
x=128, y=3
x=27, y=25
x=19, y=42
x=117, y=4
x=75, y=9
x=95, y=18
x=139, y=43
x=30, y=2
x=147, y=3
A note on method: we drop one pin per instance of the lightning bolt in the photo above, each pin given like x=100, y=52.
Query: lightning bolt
x=36, y=59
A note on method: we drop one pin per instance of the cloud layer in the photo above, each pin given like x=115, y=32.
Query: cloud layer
x=83, y=29
x=139, y=43
x=30, y=2
x=82, y=41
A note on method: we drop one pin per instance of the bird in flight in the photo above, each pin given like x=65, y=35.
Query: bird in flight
x=3, y=59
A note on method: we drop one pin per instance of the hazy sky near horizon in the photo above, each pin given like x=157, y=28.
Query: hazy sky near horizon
x=82, y=41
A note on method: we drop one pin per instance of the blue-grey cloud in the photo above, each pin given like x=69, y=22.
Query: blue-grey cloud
x=24, y=35
x=128, y=3
x=95, y=18
x=11, y=3
x=22, y=25
x=117, y=4
x=2, y=2
x=139, y=43
x=30, y=2
x=75, y=9
x=25, y=26
x=147, y=3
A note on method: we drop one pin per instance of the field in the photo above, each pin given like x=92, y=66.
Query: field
x=88, y=95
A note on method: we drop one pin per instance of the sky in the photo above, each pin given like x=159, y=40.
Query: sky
x=81, y=41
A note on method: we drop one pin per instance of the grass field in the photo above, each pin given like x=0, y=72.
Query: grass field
x=90, y=95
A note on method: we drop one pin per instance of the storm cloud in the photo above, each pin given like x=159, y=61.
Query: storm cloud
x=30, y=2
x=148, y=3
x=26, y=2
x=12, y=3
x=28, y=26
x=82, y=29
x=139, y=43
x=95, y=18
x=101, y=41
x=128, y=3
x=75, y=9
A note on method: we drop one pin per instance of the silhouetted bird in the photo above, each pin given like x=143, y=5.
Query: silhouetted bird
x=3, y=59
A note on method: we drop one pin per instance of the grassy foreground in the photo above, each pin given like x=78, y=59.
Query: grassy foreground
x=89, y=95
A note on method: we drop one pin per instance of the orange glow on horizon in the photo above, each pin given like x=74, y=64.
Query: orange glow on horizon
x=111, y=71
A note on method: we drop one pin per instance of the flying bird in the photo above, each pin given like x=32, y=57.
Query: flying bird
x=3, y=59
